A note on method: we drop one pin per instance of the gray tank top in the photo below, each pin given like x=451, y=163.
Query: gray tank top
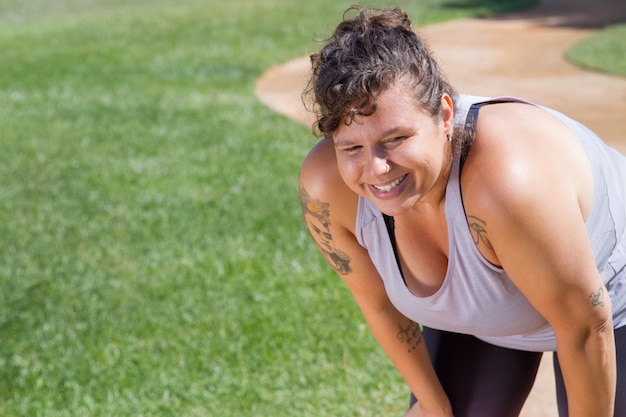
x=480, y=299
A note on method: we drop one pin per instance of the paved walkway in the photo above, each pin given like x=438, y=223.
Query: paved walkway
x=518, y=54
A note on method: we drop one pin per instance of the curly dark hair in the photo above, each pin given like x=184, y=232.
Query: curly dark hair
x=365, y=55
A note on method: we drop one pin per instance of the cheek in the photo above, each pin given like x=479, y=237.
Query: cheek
x=350, y=173
x=348, y=169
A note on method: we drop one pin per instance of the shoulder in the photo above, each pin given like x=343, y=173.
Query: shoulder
x=329, y=209
x=526, y=172
x=321, y=185
x=522, y=154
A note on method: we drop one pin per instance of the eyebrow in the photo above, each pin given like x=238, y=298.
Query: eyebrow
x=343, y=143
x=349, y=142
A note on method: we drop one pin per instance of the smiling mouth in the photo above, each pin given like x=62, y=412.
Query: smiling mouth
x=390, y=186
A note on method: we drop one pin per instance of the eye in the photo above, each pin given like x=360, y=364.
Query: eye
x=352, y=149
x=396, y=140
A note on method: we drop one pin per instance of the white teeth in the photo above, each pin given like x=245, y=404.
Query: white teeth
x=389, y=187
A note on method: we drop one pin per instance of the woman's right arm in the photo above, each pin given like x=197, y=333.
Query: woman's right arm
x=329, y=210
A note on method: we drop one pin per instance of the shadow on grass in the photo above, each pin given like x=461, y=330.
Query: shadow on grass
x=582, y=14
x=492, y=6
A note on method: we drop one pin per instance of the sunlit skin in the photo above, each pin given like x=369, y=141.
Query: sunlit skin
x=398, y=157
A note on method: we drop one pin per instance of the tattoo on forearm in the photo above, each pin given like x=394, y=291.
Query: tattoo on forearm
x=597, y=298
x=411, y=334
x=317, y=217
x=478, y=230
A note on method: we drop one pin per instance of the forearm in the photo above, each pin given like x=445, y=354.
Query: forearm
x=588, y=367
x=402, y=341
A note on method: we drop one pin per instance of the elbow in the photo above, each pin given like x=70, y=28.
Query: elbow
x=600, y=337
x=597, y=338
x=600, y=322
x=603, y=326
x=599, y=327
x=595, y=328
x=594, y=339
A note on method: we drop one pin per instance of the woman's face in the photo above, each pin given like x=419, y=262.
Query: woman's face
x=399, y=156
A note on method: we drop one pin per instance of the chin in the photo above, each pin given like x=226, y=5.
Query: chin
x=392, y=211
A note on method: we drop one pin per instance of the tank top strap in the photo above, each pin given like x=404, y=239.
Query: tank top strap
x=469, y=128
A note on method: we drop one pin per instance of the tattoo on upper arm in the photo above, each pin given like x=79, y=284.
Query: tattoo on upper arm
x=597, y=298
x=410, y=334
x=317, y=217
x=478, y=231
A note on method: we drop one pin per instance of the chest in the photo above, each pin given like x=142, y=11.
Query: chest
x=422, y=248
x=467, y=295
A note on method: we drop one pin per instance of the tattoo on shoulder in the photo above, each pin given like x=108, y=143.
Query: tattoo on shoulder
x=317, y=217
x=478, y=229
x=410, y=334
x=597, y=298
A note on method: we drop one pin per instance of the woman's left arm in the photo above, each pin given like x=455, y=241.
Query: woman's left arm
x=547, y=254
x=533, y=202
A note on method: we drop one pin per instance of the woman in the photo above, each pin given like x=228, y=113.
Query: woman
x=496, y=224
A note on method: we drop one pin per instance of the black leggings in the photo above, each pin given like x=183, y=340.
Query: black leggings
x=483, y=380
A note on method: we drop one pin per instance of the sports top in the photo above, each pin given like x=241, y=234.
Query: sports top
x=479, y=298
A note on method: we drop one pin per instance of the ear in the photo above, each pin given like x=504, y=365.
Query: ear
x=447, y=113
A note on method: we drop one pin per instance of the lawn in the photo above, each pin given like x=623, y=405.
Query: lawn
x=154, y=262
x=605, y=51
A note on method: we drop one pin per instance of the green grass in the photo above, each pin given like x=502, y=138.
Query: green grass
x=605, y=51
x=154, y=262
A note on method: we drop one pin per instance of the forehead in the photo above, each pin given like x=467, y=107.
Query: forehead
x=396, y=108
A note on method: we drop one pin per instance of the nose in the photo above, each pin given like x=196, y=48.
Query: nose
x=379, y=165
